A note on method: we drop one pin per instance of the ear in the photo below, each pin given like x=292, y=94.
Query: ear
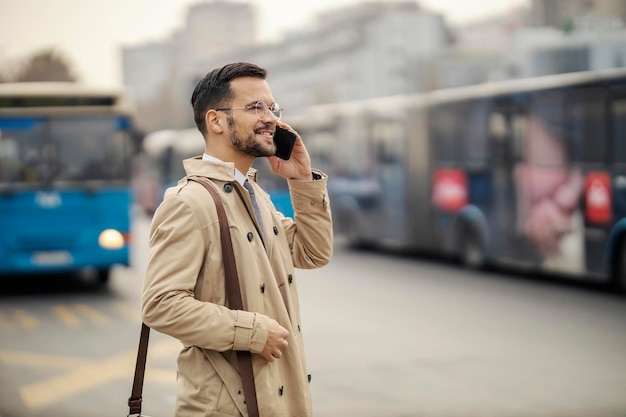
x=214, y=121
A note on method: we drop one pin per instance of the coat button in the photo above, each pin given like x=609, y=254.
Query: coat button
x=309, y=377
x=250, y=236
x=263, y=288
x=280, y=390
x=276, y=230
x=290, y=278
x=228, y=187
x=299, y=328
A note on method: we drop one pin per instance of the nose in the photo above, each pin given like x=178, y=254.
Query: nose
x=269, y=116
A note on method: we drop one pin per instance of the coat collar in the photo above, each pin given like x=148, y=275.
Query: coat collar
x=217, y=170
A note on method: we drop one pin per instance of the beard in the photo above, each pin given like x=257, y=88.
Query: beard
x=248, y=144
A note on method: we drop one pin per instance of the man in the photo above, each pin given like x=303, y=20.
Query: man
x=184, y=293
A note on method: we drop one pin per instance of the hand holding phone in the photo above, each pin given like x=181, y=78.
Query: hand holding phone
x=284, y=140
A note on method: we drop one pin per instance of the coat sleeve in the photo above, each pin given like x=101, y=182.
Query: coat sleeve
x=310, y=233
x=178, y=252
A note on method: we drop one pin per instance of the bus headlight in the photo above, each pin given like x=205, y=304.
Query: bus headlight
x=111, y=239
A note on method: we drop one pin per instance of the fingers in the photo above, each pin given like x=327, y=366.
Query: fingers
x=276, y=354
x=276, y=342
x=285, y=126
x=271, y=355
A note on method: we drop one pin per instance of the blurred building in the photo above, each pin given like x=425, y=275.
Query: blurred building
x=158, y=72
x=479, y=51
x=554, y=36
x=594, y=41
x=372, y=49
x=556, y=13
x=561, y=14
x=368, y=50
x=145, y=68
x=217, y=26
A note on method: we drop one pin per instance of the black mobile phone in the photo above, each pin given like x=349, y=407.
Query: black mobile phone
x=284, y=140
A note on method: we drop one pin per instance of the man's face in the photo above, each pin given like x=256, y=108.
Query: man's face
x=249, y=134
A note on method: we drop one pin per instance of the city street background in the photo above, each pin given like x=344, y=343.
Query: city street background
x=386, y=336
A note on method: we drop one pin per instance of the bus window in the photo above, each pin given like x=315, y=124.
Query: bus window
x=353, y=156
x=20, y=150
x=475, y=131
x=498, y=128
x=319, y=145
x=546, y=130
x=618, y=111
x=120, y=153
x=387, y=135
x=500, y=134
x=618, y=123
x=587, y=126
x=518, y=126
x=87, y=149
x=9, y=165
x=507, y=128
x=445, y=132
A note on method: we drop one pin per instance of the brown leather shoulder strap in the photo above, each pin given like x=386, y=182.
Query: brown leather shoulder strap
x=134, y=402
x=233, y=291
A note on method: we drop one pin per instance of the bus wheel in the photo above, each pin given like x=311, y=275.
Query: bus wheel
x=352, y=238
x=103, y=275
x=472, y=254
x=351, y=231
x=619, y=269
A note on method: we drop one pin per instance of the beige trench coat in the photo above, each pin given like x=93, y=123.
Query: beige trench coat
x=184, y=293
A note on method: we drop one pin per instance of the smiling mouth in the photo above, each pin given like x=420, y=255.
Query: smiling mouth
x=265, y=132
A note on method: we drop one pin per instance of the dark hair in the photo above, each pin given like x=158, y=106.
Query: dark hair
x=213, y=91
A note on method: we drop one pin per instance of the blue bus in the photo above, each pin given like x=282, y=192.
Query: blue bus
x=65, y=169
x=527, y=174
x=160, y=166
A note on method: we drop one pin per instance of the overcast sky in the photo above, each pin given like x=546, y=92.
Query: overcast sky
x=91, y=32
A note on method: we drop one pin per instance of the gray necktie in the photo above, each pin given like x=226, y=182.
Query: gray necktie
x=255, y=206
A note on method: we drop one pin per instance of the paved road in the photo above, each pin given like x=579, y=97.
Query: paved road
x=392, y=336
x=386, y=336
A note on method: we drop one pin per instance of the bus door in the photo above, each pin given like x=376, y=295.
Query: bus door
x=367, y=187
x=549, y=181
x=354, y=192
x=389, y=155
x=452, y=186
x=421, y=215
x=617, y=123
x=506, y=123
x=588, y=147
x=617, y=128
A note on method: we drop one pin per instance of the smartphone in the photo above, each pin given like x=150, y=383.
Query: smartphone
x=284, y=140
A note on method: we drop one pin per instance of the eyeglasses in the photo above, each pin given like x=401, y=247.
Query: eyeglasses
x=262, y=110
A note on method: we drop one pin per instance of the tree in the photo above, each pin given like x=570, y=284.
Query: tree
x=46, y=65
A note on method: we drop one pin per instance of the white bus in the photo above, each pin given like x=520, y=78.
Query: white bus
x=526, y=174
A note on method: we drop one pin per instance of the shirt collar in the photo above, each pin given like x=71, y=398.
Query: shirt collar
x=239, y=177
